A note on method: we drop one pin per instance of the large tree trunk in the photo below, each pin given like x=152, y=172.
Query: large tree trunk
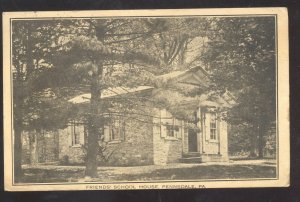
x=93, y=124
x=92, y=148
x=17, y=154
x=18, y=98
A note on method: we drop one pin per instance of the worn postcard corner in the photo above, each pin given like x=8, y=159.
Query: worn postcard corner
x=146, y=99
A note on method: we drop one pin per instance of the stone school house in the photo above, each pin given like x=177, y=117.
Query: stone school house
x=158, y=138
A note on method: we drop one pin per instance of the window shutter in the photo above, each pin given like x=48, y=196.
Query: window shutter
x=163, y=114
x=176, y=127
x=180, y=131
x=207, y=126
x=218, y=128
x=106, y=134
x=163, y=130
x=123, y=130
x=85, y=135
x=185, y=130
x=80, y=130
x=69, y=134
x=156, y=122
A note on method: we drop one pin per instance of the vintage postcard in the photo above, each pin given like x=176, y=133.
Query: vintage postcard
x=146, y=99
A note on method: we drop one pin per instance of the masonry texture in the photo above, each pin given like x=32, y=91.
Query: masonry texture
x=137, y=146
x=69, y=153
x=143, y=144
x=166, y=149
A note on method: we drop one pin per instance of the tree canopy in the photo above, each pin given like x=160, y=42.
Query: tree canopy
x=53, y=60
x=241, y=58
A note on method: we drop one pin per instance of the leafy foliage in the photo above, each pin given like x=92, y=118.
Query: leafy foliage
x=241, y=58
x=54, y=60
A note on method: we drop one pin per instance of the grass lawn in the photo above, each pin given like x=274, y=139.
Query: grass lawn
x=205, y=172
x=147, y=173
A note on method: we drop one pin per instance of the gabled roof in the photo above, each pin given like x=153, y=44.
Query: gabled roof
x=107, y=93
x=204, y=101
x=176, y=75
x=195, y=76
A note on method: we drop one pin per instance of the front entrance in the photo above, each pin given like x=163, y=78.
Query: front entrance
x=192, y=140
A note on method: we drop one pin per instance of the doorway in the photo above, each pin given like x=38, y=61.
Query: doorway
x=192, y=140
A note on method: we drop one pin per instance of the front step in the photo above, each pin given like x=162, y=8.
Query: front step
x=191, y=154
x=191, y=160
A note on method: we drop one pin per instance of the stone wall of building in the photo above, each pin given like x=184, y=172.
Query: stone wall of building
x=69, y=153
x=136, y=148
x=165, y=149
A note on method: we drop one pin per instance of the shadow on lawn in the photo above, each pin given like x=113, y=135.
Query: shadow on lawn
x=205, y=172
x=37, y=175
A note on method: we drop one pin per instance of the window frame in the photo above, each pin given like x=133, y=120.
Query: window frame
x=172, y=131
x=213, y=130
x=75, y=134
x=211, y=133
x=120, y=129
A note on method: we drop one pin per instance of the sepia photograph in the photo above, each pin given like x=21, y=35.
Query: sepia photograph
x=148, y=99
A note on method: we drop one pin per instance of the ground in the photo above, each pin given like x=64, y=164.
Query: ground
x=231, y=170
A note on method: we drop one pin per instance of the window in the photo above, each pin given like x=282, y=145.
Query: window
x=170, y=126
x=115, y=130
x=213, y=126
x=77, y=133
